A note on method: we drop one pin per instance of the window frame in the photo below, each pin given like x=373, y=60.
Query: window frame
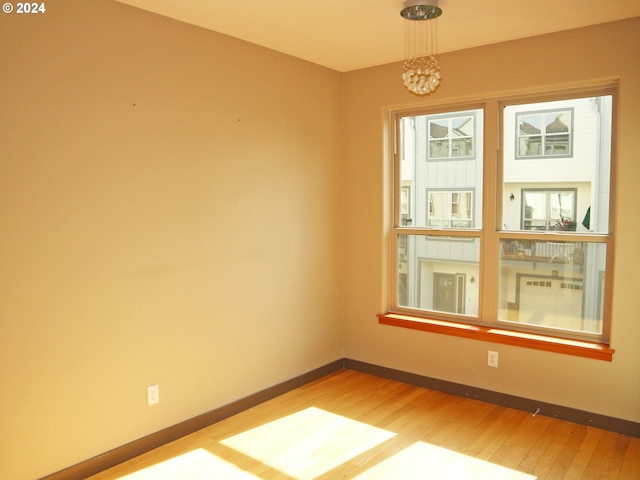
x=486, y=326
x=543, y=135
x=548, y=219
x=450, y=117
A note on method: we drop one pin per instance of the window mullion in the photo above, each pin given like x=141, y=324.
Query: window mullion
x=489, y=243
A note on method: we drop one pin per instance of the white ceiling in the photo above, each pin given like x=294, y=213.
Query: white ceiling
x=351, y=34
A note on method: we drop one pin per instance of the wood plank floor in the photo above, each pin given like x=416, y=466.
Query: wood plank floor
x=351, y=425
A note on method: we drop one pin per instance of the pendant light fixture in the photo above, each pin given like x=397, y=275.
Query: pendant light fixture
x=421, y=71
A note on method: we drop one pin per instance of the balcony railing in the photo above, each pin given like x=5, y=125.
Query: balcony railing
x=549, y=252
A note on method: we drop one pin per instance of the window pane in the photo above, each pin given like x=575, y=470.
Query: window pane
x=530, y=146
x=441, y=169
x=461, y=147
x=556, y=165
x=556, y=145
x=438, y=273
x=439, y=128
x=530, y=124
x=552, y=285
x=557, y=122
x=438, y=148
x=549, y=209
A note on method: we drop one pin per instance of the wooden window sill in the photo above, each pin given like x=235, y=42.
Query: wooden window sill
x=598, y=351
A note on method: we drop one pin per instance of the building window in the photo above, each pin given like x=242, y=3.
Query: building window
x=534, y=253
x=451, y=137
x=405, y=205
x=544, y=134
x=549, y=209
x=450, y=209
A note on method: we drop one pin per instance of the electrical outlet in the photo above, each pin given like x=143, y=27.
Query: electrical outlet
x=492, y=359
x=153, y=395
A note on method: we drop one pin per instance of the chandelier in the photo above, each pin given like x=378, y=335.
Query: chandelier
x=421, y=71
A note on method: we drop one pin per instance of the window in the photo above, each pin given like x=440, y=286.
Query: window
x=533, y=254
x=450, y=209
x=434, y=266
x=405, y=205
x=451, y=137
x=549, y=209
x=544, y=134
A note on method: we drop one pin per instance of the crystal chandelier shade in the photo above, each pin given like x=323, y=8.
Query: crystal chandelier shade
x=421, y=71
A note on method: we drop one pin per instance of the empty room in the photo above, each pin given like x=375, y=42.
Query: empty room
x=274, y=241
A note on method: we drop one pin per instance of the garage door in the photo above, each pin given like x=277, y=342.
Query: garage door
x=551, y=302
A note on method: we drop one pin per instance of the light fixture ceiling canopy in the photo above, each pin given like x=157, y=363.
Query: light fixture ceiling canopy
x=421, y=9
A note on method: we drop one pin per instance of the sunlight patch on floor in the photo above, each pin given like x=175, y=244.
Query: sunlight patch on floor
x=313, y=442
x=422, y=460
x=308, y=443
x=197, y=464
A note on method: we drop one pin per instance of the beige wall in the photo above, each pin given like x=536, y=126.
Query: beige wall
x=554, y=61
x=170, y=211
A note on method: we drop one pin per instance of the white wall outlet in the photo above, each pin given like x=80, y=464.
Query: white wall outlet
x=492, y=359
x=153, y=395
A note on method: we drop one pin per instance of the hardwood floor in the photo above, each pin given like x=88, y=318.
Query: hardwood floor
x=351, y=425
